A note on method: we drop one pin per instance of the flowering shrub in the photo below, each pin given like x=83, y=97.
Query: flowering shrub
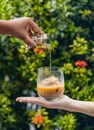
x=38, y=119
x=69, y=25
x=81, y=63
x=41, y=119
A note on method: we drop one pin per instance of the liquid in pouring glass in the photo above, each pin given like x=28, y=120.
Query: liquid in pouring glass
x=50, y=83
x=41, y=41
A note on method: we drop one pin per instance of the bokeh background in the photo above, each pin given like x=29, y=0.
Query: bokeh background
x=70, y=27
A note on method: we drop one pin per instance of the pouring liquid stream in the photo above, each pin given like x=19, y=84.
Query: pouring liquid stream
x=50, y=56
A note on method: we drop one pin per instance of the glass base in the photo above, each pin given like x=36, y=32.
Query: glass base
x=50, y=99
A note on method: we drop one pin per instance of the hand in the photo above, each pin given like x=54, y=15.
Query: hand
x=63, y=103
x=21, y=28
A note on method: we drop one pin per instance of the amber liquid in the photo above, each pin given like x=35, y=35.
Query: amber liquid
x=50, y=93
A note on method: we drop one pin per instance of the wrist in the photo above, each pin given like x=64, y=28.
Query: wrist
x=5, y=27
x=74, y=105
x=78, y=106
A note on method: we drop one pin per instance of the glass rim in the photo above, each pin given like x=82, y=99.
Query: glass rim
x=44, y=36
x=50, y=68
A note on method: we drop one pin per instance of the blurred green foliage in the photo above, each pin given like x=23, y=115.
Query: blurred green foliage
x=70, y=26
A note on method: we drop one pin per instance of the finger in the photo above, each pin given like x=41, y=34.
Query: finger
x=23, y=99
x=30, y=42
x=35, y=100
x=36, y=28
x=29, y=33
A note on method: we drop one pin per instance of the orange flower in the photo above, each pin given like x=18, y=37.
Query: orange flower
x=41, y=51
x=81, y=63
x=38, y=119
x=36, y=50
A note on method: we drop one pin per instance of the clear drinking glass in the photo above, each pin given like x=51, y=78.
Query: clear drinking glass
x=50, y=83
x=41, y=41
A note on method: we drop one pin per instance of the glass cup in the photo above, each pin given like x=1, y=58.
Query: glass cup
x=50, y=83
x=41, y=41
